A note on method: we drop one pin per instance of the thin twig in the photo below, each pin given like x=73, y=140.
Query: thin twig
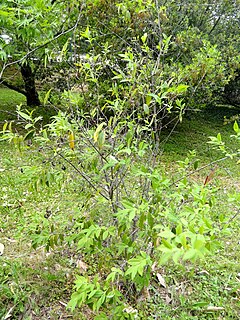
x=199, y=169
x=83, y=176
x=233, y=217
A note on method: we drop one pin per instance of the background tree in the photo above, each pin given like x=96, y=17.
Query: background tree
x=195, y=43
x=163, y=58
x=35, y=28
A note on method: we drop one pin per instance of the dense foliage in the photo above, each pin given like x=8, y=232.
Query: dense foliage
x=159, y=45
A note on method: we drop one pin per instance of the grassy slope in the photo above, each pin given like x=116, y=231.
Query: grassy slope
x=8, y=101
x=36, y=285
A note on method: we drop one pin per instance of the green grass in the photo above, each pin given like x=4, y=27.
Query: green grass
x=35, y=284
x=9, y=99
x=193, y=133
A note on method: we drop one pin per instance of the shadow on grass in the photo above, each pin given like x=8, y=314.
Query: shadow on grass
x=194, y=132
x=9, y=100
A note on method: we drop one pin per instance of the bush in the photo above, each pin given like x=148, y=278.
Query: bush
x=134, y=218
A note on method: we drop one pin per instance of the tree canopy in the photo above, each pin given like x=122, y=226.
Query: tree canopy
x=193, y=44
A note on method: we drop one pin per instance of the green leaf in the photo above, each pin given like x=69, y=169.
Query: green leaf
x=128, y=204
x=191, y=254
x=24, y=115
x=105, y=235
x=200, y=304
x=144, y=37
x=148, y=99
x=195, y=165
x=98, y=130
x=146, y=108
x=177, y=255
x=166, y=256
x=29, y=135
x=236, y=127
x=128, y=151
x=29, y=125
x=100, y=302
x=167, y=234
x=4, y=13
x=179, y=229
x=101, y=316
x=219, y=137
x=92, y=293
x=183, y=239
x=133, y=270
x=111, y=277
x=167, y=244
x=137, y=266
x=80, y=280
x=156, y=97
x=198, y=244
x=182, y=88
x=86, y=33
x=111, y=162
x=132, y=213
x=46, y=97
x=150, y=220
x=84, y=242
x=101, y=139
x=75, y=298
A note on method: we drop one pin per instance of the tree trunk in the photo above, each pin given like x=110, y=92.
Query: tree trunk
x=29, y=84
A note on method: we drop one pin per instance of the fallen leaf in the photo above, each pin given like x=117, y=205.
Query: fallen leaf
x=189, y=290
x=168, y=300
x=9, y=314
x=154, y=266
x=161, y=280
x=145, y=295
x=1, y=249
x=130, y=310
x=81, y=265
x=212, y=308
x=63, y=303
x=203, y=272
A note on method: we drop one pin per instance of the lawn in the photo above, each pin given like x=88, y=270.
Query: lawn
x=8, y=101
x=37, y=284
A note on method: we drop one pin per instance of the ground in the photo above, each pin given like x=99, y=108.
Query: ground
x=37, y=284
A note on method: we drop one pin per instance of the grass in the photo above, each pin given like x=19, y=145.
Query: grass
x=35, y=284
x=8, y=101
x=193, y=134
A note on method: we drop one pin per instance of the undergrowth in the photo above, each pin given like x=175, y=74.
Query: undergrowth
x=116, y=250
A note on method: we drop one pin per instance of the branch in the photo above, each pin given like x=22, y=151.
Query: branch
x=215, y=24
x=199, y=169
x=37, y=65
x=86, y=178
x=13, y=87
x=41, y=46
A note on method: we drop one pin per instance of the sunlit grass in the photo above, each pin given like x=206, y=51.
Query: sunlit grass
x=9, y=100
